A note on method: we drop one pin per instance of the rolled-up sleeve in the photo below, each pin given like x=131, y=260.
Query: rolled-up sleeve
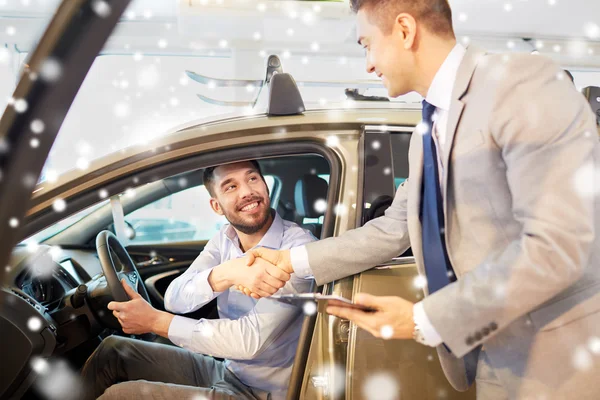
x=192, y=290
x=243, y=338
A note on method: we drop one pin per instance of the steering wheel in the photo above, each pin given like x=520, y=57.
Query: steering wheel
x=116, y=265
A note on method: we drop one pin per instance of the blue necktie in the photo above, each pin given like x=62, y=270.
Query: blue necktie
x=437, y=264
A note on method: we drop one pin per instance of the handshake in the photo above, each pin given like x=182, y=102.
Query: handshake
x=261, y=273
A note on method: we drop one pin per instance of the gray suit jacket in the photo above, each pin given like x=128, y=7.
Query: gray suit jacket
x=520, y=213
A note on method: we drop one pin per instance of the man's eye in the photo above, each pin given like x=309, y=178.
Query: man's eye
x=230, y=187
x=253, y=179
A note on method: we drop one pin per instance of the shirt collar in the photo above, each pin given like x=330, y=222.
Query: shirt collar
x=440, y=91
x=272, y=239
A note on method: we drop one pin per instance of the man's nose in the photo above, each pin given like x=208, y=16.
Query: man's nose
x=245, y=190
x=370, y=66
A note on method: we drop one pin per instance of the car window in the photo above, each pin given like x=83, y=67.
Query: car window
x=180, y=217
x=400, y=143
x=60, y=226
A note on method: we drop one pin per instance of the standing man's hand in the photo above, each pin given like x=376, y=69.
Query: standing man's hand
x=279, y=258
x=393, y=318
x=137, y=316
x=262, y=279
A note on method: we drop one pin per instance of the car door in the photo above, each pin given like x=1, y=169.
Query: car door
x=404, y=366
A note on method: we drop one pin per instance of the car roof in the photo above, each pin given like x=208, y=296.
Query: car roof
x=182, y=136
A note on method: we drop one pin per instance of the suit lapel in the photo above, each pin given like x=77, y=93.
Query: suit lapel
x=461, y=85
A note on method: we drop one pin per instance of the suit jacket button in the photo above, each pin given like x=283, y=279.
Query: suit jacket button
x=485, y=331
x=469, y=341
x=478, y=336
x=493, y=326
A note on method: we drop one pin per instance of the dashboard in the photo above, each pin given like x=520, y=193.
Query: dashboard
x=46, y=278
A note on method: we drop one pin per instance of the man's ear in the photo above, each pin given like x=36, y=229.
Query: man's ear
x=214, y=204
x=406, y=27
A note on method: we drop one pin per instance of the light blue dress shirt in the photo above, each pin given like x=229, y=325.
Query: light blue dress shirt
x=258, y=338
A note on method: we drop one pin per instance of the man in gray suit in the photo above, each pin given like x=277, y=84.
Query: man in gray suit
x=500, y=209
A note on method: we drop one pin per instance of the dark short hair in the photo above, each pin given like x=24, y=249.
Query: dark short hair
x=436, y=15
x=208, y=177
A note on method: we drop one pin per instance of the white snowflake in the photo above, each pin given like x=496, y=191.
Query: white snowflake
x=37, y=126
x=320, y=206
x=162, y=44
x=386, y=332
x=51, y=70
x=387, y=171
x=13, y=222
x=55, y=252
x=317, y=8
x=333, y=141
x=420, y=282
x=34, y=143
x=138, y=56
x=59, y=382
x=223, y=43
x=592, y=30
x=103, y=193
x=32, y=246
x=21, y=105
x=376, y=145
x=557, y=48
x=586, y=181
x=121, y=109
x=287, y=54
x=340, y=209
x=130, y=193
x=462, y=17
x=82, y=163
x=508, y=7
x=147, y=14
x=582, y=360
x=34, y=324
x=59, y=205
x=381, y=386
x=594, y=345
x=182, y=182
x=315, y=46
x=39, y=365
x=290, y=32
x=11, y=30
x=309, y=308
x=262, y=7
x=101, y=8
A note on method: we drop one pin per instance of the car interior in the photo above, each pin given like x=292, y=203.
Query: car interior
x=55, y=268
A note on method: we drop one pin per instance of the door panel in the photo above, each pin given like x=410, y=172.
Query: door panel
x=415, y=368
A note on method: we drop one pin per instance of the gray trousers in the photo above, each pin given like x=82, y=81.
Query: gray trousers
x=123, y=368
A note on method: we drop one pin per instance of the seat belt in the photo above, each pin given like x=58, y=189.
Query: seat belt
x=119, y=219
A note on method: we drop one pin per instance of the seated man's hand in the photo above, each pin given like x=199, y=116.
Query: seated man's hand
x=279, y=258
x=137, y=316
x=263, y=279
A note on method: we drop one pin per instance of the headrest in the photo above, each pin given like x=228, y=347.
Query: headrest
x=308, y=191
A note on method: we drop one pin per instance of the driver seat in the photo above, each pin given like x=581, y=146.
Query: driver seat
x=309, y=189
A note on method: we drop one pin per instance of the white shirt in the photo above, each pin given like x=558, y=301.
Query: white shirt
x=439, y=95
x=257, y=337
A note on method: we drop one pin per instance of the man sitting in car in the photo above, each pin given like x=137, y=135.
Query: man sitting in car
x=257, y=338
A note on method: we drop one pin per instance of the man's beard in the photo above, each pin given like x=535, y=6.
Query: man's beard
x=250, y=229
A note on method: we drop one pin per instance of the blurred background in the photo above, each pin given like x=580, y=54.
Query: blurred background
x=138, y=90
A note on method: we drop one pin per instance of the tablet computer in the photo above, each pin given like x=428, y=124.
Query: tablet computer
x=321, y=299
